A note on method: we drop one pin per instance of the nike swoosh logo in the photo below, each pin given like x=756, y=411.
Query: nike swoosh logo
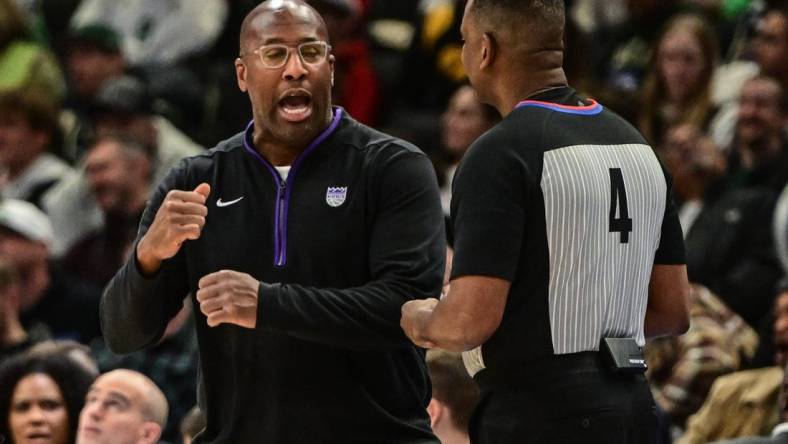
x=219, y=202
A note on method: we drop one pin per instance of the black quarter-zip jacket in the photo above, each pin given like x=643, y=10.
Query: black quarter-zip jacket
x=355, y=231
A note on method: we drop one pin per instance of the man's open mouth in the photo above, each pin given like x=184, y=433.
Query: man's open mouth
x=295, y=105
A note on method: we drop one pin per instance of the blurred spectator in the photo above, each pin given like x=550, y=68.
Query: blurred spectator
x=78, y=353
x=171, y=364
x=677, y=87
x=124, y=106
x=696, y=165
x=155, y=32
x=759, y=155
x=192, y=424
x=40, y=399
x=28, y=131
x=769, y=48
x=92, y=57
x=122, y=407
x=770, y=45
x=778, y=435
x=730, y=250
x=454, y=397
x=682, y=369
x=356, y=85
x=464, y=120
x=67, y=307
x=14, y=338
x=25, y=65
x=744, y=403
x=118, y=172
x=729, y=246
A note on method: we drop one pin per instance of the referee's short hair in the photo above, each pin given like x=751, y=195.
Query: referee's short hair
x=452, y=385
x=542, y=20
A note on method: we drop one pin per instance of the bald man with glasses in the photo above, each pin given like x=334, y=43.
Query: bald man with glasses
x=299, y=238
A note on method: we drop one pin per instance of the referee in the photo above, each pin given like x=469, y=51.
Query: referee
x=568, y=248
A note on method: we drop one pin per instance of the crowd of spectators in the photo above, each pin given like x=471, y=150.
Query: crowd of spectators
x=100, y=98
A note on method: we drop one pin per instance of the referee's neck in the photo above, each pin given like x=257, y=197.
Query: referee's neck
x=527, y=83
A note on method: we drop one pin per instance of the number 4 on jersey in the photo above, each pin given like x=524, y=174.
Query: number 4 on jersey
x=618, y=204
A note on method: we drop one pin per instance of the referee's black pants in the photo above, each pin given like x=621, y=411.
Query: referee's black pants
x=565, y=399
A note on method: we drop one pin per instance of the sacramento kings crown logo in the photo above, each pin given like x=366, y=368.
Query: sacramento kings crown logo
x=335, y=196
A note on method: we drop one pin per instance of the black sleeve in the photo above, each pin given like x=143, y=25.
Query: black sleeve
x=135, y=309
x=487, y=211
x=671, y=241
x=406, y=259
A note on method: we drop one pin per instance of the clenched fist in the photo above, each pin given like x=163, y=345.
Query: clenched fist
x=229, y=297
x=413, y=318
x=180, y=217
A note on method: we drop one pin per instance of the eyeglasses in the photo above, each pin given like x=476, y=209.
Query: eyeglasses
x=276, y=55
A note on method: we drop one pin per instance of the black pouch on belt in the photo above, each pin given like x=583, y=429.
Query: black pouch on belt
x=622, y=355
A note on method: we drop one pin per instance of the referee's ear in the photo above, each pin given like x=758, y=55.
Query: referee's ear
x=489, y=50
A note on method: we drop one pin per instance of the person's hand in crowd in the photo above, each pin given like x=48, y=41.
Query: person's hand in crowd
x=693, y=159
x=707, y=159
x=180, y=217
x=414, y=314
x=229, y=297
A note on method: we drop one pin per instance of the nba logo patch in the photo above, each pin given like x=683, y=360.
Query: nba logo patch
x=335, y=196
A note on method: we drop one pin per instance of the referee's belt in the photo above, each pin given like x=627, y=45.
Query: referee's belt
x=543, y=369
x=611, y=360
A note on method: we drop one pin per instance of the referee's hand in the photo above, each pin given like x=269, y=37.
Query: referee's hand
x=180, y=217
x=415, y=315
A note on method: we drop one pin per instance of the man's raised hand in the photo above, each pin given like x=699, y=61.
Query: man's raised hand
x=180, y=217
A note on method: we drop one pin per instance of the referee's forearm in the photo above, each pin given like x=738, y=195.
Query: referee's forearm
x=455, y=332
x=469, y=314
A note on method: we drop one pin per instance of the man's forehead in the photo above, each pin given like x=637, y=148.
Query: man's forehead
x=115, y=385
x=287, y=32
x=778, y=17
x=761, y=88
x=273, y=21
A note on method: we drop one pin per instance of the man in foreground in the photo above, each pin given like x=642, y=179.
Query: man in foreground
x=300, y=239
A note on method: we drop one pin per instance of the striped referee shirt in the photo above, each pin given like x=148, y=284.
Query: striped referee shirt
x=568, y=202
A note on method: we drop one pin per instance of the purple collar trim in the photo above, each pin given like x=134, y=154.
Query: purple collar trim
x=284, y=189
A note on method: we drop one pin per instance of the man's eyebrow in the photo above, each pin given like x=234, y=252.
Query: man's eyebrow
x=120, y=397
x=276, y=40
